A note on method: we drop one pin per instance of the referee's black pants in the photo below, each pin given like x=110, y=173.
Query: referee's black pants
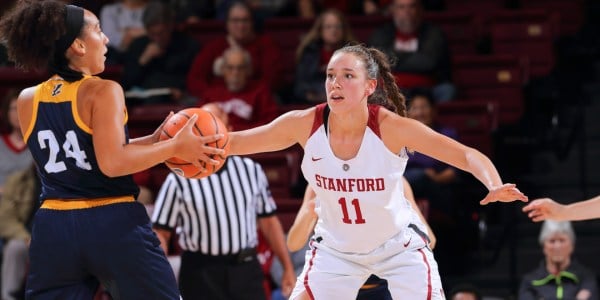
x=224, y=277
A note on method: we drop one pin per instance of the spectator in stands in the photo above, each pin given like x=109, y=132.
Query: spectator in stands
x=121, y=22
x=248, y=103
x=160, y=60
x=266, y=54
x=465, y=291
x=329, y=32
x=430, y=178
x=14, y=155
x=17, y=207
x=219, y=216
x=559, y=276
x=420, y=49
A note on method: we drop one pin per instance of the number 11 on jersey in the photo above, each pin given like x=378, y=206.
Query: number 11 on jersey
x=346, y=219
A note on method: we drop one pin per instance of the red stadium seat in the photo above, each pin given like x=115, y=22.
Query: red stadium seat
x=462, y=30
x=11, y=77
x=528, y=33
x=287, y=33
x=569, y=13
x=282, y=169
x=363, y=26
x=144, y=119
x=473, y=121
x=496, y=78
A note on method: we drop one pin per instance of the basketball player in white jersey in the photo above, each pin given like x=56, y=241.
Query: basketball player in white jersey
x=354, y=158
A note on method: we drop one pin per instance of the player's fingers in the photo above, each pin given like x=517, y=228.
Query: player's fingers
x=211, y=138
x=208, y=159
x=212, y=150
x=191, y=121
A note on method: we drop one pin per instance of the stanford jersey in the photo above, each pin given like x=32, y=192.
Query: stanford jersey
x=360, y=201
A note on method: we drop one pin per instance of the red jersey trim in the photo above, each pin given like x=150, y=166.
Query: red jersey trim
x=373, y=121
x=318, y=118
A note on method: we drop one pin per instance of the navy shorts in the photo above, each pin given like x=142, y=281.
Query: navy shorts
x=73, y=251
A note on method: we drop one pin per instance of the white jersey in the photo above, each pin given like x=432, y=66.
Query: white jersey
x=360, y=201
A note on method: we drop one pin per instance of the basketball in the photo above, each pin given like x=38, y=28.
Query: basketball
x=206, y=124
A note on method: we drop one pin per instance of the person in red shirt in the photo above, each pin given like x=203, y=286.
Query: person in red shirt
x=248, y=103
x=205, y=70
x=420, y=49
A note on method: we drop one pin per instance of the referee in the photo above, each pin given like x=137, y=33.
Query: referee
x=216, y=218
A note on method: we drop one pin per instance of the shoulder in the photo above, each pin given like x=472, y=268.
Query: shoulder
x=27, y=94
x=99, y=85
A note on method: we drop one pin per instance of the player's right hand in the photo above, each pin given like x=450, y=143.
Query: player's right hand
x=193, y=148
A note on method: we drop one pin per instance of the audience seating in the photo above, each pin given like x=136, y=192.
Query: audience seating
x=530, y=33
x=569, y=13
x=11, y=77
x=205, y=30
x=363, y=26
x=497, y=78
x=144, y=119
x=463, y=30
x=474, y=122
x=282, y=169
x=287, y=33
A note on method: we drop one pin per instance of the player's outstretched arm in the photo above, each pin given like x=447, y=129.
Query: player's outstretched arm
x=285, y=131
x=548, y=209
x=418, y=137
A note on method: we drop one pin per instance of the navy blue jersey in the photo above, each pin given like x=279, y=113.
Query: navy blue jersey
x=62, y=147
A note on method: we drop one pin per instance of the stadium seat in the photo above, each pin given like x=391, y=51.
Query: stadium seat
x=569, y=13
x=282, y=169
x=363, y=26
x=287, y=33
x=529, y=33
x=495, y=78
x=144, y=119
x=462, y=30
x=11, y=77
x=474, y=121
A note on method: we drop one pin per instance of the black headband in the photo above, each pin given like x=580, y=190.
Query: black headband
x=58, y=64
x=73, y=23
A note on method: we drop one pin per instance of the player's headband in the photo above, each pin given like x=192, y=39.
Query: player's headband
x=73, y=23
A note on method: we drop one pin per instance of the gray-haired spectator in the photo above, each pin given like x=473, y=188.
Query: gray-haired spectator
x=559, y=276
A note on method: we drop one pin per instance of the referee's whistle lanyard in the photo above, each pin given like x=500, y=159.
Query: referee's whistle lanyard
x=558, y=280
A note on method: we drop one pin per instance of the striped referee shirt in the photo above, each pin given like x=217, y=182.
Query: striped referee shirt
x=216, y=215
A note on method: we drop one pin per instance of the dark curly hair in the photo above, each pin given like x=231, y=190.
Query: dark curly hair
x=30, y=30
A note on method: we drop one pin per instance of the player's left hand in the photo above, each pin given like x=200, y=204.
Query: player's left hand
x=288, y=282
x=505, y=193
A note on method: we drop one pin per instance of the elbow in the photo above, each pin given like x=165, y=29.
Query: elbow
x=111, y=168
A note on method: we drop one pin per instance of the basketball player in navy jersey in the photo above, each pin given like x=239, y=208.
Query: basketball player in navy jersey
x=355, y=152
x=89, y=229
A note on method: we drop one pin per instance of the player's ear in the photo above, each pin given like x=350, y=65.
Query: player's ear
x=371, y=86
x=78, y=47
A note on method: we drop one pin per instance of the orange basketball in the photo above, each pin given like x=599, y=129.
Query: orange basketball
x=206, y=124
